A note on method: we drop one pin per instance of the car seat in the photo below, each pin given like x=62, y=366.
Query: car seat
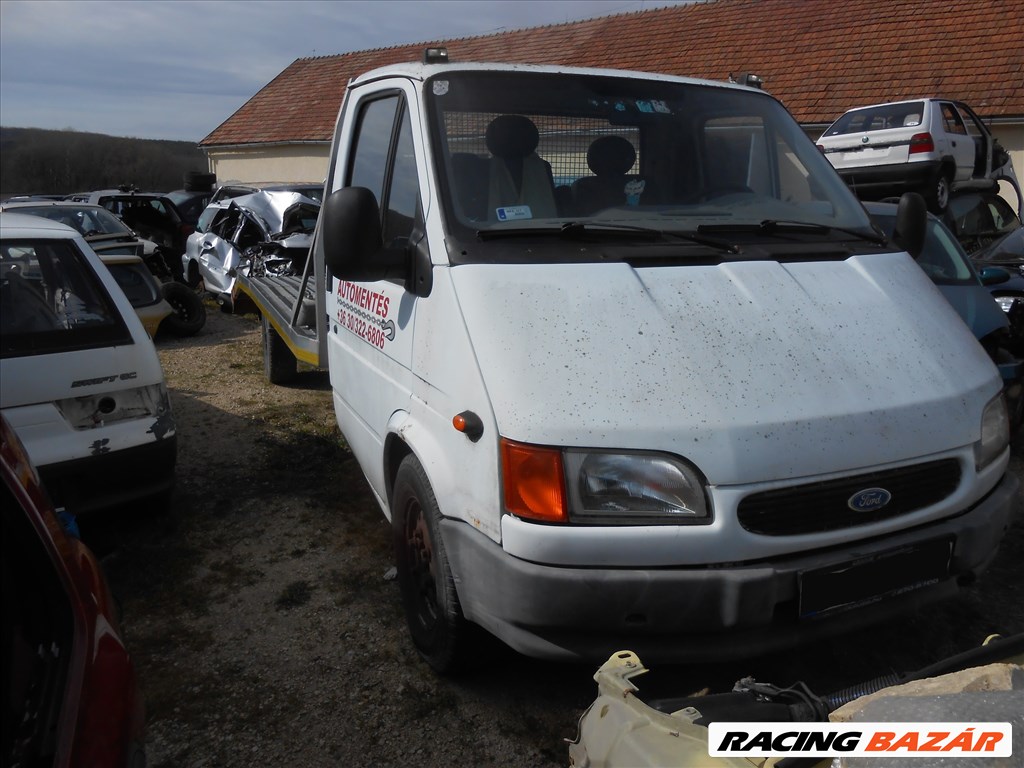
x=517, y=175
x=610, y=158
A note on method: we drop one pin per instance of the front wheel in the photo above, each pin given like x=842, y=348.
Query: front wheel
x=189, y=314
x=432, y=610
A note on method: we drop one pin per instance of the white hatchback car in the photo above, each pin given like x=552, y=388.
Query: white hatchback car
x=80, y=380
x=934, y=146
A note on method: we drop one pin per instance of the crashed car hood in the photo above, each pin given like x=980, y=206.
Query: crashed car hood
x=274, y=208
x=753, y=371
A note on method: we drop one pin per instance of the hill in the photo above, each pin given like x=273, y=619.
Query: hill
x=38, y=161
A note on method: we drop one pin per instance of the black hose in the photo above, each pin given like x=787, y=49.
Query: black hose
x=846, y=695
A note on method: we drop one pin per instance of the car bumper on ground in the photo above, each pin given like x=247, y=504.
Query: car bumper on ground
x=712, y=612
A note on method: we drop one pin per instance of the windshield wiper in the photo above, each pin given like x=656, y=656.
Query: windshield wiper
x=771, y=226
x=572, y=229
x=584, y=230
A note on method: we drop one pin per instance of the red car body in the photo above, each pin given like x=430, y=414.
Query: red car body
x=71, y=697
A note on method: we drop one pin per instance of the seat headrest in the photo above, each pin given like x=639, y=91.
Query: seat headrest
x=512, y=136
x=912, y=120
x=611, y=156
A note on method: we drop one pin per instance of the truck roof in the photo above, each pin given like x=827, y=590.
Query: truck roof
x=421, y=71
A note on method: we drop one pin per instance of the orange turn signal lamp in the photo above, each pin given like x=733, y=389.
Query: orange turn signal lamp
x=469, y=424
x=534, y=482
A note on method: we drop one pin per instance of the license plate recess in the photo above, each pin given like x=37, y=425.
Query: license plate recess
x=873, y=578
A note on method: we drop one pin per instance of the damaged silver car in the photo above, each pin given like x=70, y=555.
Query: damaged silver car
x=270, y=229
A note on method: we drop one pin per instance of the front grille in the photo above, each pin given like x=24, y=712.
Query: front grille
x=823, y=506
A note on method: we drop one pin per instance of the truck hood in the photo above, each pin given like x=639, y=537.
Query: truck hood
x=753, y=371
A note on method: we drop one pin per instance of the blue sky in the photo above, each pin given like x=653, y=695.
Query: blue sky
x=176, y=69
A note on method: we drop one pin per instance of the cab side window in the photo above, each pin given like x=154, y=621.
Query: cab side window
x=404, y=197
x=384, y=161
x=373, y=140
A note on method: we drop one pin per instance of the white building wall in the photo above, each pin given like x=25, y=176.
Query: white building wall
x=280, y=162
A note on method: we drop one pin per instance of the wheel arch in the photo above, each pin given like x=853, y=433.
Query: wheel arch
x=406, y=435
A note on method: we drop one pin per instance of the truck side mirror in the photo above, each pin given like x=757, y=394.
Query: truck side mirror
x=911, y=223
x=353, y=245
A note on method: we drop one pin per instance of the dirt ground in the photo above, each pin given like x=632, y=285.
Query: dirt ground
x=267, y=631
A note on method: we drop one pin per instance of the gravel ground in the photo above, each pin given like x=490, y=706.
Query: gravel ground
x=267, y=631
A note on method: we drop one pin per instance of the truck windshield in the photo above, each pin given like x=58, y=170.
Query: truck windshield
x=525, y=153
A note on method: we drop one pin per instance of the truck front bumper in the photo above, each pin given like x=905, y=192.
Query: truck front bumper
x=709, y=612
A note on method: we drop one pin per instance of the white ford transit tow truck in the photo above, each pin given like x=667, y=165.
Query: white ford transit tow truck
x=626, y=364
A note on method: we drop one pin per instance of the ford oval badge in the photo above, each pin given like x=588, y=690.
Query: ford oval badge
x=869, y=500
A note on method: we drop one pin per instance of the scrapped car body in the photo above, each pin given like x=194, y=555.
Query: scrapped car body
x=118, y=248
x=234, y=231
x=935, y=146
x=144, y=292
x=1006, y=253
x=71, y=696
x=80, y=380
x=622, y=730
x=152, y=215
x=670, y=401
x=1001, y=264
x=105, y=232
x=978, y=219
x=230, y=189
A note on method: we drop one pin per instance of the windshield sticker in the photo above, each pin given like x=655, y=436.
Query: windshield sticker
x=440, y=87
x=633, y=190
x=364, y=313
x=513, y=212
x=661, y=106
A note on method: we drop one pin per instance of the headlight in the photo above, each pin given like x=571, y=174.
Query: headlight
x=995, y=433
x=633, y=489
x=1005, y=302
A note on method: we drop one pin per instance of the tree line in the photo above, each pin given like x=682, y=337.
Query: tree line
x=34, y=161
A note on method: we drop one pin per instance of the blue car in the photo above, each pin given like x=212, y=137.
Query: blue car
x=1001, y=265
x=944, y=261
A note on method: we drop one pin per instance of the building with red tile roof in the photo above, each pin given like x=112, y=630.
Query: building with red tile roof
x=819, y=58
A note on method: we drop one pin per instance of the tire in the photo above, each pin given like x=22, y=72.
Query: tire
x=279, y=364
x=938, y=191
x=189, y=313
x=192, y=277
x=432, y=610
